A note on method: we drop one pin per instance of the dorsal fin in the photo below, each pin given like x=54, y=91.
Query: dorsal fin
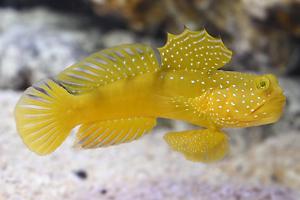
x=107, y=66
x=196, y=50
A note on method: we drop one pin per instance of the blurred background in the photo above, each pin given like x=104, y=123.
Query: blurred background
x=39, y=38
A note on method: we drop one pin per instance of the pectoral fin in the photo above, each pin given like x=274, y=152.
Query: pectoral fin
x=199, y=145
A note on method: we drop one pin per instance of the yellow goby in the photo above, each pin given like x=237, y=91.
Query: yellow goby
x=115, y=96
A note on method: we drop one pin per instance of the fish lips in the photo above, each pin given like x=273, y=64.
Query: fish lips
x=269, y=112
x=266, y=113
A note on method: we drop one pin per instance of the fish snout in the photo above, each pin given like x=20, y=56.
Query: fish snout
x=272, y=109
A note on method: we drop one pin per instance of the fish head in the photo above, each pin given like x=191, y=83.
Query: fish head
x=252, y=100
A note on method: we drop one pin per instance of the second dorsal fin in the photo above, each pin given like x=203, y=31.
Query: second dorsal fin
x=107, y=66
x=195, y=50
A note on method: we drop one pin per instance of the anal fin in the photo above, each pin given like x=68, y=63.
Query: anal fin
x=112, y=132
x=199, y=145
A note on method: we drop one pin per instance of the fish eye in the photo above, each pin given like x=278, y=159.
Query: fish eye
x=263, y=83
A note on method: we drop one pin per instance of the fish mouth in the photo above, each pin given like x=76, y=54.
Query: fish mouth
x=258, y=108
x=266, y=113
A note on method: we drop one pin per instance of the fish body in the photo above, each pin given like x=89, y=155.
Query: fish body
x=182, y=95
x=116, y=95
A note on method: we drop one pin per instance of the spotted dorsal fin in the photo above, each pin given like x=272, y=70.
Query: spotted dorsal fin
x=107, y=66
x=195, y=50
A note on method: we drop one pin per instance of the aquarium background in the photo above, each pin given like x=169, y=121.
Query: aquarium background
x=39, y=38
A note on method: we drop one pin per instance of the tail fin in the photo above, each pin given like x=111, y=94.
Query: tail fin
x=43, y=116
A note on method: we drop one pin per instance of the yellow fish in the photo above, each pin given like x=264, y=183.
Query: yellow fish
x=115, y=96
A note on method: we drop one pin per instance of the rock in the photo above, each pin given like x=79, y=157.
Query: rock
x=115, y=38
x=139, y=14
x=81, y=174
x=39, y=43
x=262, y=34
x=276, y=161
x=77, y=6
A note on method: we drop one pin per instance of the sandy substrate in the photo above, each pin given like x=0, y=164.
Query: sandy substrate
x=145, y=169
